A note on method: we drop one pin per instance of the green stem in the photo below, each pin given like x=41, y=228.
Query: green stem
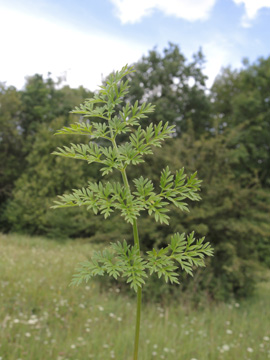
x=138, y=321
x=137, y=243
x=139, y=292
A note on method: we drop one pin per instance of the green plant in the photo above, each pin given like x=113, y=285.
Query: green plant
x=122, y=259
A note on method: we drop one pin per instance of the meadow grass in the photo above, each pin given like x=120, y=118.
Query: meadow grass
x=42, y=318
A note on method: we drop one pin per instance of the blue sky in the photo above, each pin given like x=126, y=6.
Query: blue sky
x=87, y=39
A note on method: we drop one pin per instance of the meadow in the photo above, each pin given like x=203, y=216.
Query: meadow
x=42, y=318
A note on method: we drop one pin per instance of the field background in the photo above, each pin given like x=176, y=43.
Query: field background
x=42, y=318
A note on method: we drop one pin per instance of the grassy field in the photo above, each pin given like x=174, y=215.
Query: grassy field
x=41, y=318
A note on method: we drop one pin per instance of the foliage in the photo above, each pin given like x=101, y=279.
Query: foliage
x=125, y=260
x=175, y=86
x=11, y=155
x=241, y=101
x=105, y=198
x=225, y=139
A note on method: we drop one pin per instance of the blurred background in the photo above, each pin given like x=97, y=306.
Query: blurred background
x=206, y=66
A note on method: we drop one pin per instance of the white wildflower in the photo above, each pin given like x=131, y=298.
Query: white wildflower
x=27, y=334
x=266, y=338
x=100, y=308
x=249, y=349
x=73, y=346
x=228, y=331
x=225, y=347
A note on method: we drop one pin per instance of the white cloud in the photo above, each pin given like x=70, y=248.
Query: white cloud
x=131, y=11
x=219, y=53
x=36, y=45
x=251, y=9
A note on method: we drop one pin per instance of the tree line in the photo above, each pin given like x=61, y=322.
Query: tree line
x=223, y=133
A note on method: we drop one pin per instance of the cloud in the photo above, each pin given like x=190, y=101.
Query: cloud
x=36, y=45
x=251, y=9
x=220, y=53
x=131, y=11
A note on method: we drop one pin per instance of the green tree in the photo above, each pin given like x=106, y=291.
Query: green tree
x=241, y=102
x=175, y=86
x=11, y=156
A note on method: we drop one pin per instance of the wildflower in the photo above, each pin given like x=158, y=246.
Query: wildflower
x=112, y=315
x=16, y=321
x=100, y=308
x=73, y=346
x=119, y=319
x=249, y=349
x=266, y=338
x=166, y=349
x=27, y=334
x=155, y=346
x=154, y=353
x=225, y=347
x=228, y=331
x=236, y=305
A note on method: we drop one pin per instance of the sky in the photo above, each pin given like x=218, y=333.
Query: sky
x=84, y=40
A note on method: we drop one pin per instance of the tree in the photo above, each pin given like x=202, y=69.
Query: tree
x=11, y=156
x=176, y=87
x=241, y=102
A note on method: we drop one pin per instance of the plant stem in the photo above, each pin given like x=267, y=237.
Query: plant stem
x=139, y=299
x=138, y=321
x=139, y=292
x=137, y=243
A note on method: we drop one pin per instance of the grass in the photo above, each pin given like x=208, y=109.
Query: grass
x=42, y=318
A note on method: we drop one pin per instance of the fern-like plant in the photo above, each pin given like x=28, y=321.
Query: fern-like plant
x=122, y=259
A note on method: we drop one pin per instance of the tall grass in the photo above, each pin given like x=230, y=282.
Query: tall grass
x=42, y=318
